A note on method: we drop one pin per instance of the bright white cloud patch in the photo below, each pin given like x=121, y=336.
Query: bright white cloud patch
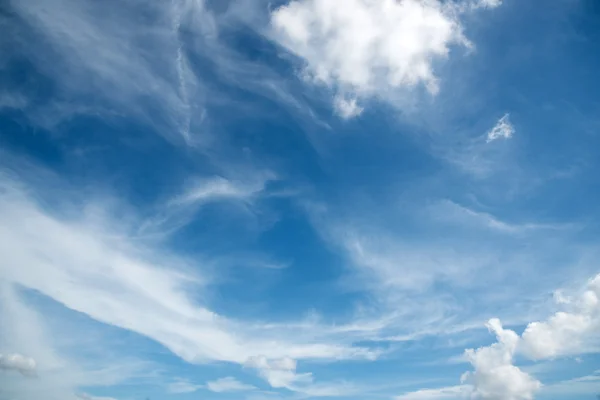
x=228, y=384
x=502, y=130
x=347, y=107
x=567, y=333
x=564, y=333
x=369, y=46
x=18, y=362
x=495, y=376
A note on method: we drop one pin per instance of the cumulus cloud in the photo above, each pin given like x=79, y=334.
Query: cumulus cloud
x=502, y=130
x=495, y=377
x=228, y=384
x=566, y=332
x=367, y=47
x=17, y=362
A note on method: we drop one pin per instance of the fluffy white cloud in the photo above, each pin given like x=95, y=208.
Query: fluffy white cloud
x=18, y=362
x=367, y=47
x=280, y=373
x=347, y=107
x=228, y=384
x=566, y=333
x=502, y=130
x=495, y=377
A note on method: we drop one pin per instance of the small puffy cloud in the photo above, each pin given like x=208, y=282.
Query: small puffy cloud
x=228, y=384
x=566, y=333
x=17, y=362
x=495, y=377
x=502, y=130
x=371, y=47
x=280, y=373
x=347, y=107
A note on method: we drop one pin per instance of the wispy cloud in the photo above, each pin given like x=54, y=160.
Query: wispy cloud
x=502, y=130
x=56, y=372
x=450, y=211
x=85, y=396
x=451, y=392
x=584, y=385
x=228, y=384
x=103, y=274
x=179, y=210
x=183, y=386
x=94, y=51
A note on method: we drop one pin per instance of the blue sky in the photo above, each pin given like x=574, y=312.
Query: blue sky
x=244, y=199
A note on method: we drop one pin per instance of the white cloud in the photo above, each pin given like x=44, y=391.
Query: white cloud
x=347, y=107
x=17, y=362
x=450, y=211
x=566, y=333
x=91, y=264
x=280, y=373
x=584, y=385
x=487, y=3
x=369, y=47
x=495, y=377
x=58, y=373
x=183, y=386
x=219, y=188
x=228, y=384
x=452, y=392
x=100, y=53
x=502, y=130
x=85, y=396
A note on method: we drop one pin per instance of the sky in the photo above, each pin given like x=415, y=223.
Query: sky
x=298, y=199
